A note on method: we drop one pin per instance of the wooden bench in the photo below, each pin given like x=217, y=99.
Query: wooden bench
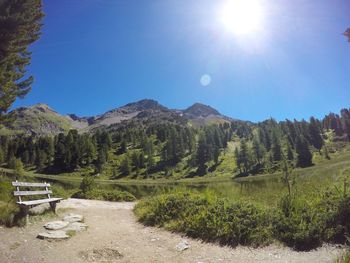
x=27, y=204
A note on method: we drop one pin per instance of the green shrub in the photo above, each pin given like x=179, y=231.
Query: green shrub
x=8, y=207
x=335, y=216
x=296, y=223
x=211, y=219
x=344, y=258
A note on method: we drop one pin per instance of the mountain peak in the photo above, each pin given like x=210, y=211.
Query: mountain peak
x=42, y=107
x=201, y=110
x=145, y=104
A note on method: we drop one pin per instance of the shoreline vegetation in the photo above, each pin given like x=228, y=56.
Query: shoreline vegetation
x=298, y=222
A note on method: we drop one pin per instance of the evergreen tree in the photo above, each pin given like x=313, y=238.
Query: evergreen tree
x=304, y=156
x=135, y=159
x=258, y=150
x=315, y=133
x=125, y=168
x=276, y=149
x=245, y=157
x=20, y=23
x=18, y=168
x=202, y=155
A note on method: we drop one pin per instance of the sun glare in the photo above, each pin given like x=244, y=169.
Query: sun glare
x=241, y=17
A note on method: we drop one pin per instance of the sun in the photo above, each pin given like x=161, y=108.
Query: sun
x=241, y=17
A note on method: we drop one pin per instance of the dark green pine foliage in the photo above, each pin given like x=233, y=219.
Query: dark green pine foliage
x=276, y=149
x=125, y=167
x=315, y=133
x=304, y=155
x=243, y=157
x=20, y=23
x=202, y=154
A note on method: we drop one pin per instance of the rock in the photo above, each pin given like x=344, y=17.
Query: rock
x=56, y=225
x=39, y=209
x=73, y=218
x=183, y=245
x=76, y=226
x=53, y=235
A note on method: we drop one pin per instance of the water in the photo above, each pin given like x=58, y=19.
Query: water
x=262, y=189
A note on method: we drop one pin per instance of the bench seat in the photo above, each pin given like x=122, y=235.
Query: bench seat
x=38, y=202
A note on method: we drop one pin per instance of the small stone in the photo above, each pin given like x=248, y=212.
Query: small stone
x=183, y=245
x=56, y=235
x=73, y=218
x=56, y=225
x=76, y=226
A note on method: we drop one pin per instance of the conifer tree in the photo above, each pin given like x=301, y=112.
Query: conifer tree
x=20, y=23
x=125, y=167
x=304, y=156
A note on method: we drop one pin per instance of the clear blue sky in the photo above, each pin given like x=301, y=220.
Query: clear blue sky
x=95, y=55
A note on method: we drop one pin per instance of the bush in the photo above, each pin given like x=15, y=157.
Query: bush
x=211, y=219
x=296, y=223
x=335, y=208
x=8, y=207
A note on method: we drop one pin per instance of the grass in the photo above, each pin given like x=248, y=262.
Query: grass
x=299, y=222
x=344, y=258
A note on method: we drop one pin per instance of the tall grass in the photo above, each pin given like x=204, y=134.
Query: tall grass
x=298, y=222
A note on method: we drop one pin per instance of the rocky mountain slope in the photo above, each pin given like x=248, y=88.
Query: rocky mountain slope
x=41, y=119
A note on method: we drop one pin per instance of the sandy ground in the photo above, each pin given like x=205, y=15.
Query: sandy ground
x=115, y=236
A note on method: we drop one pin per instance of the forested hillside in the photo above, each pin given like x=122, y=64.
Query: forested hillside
x=156, y=147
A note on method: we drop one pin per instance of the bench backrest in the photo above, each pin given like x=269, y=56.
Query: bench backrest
x=20, y=193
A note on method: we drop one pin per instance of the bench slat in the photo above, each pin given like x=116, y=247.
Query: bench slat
x=30, y=184
x=41, y=201
x=23, y=193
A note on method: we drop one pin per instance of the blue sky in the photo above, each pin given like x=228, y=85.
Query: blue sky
x=95, y=55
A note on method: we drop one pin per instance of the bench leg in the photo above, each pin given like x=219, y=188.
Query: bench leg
x=53, y=207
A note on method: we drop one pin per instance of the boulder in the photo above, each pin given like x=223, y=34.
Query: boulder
x=56, y=225
x=39, y=209
x=73, y=218
x=53, y=235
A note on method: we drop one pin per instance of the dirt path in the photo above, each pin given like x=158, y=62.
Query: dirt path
x=115, y=236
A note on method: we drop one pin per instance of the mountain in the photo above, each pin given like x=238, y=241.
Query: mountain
x=41, y=119
x=38, y=119
x=200, y=114
x=199, y=110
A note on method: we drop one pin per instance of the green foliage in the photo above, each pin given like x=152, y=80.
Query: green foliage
x=87, y=184
x=107, y=195
x=20, y=23
x=18, y=168
x=88, y=190
x=8, y=207
x=296, y=224
x=300, y=222
x=207, y=217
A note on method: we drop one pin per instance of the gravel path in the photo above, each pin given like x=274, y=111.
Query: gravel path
x=115, y=236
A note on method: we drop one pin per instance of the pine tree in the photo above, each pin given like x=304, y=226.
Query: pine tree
x=276, y=148
x=18, y=168
x=304, y=156
x=135, y=159
x=125, y=168
x=20, y=23
x=245, y=157
x=238, y=160
x=315, y=133
x=101, y=159
x=258, y=150
x=202, y=155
